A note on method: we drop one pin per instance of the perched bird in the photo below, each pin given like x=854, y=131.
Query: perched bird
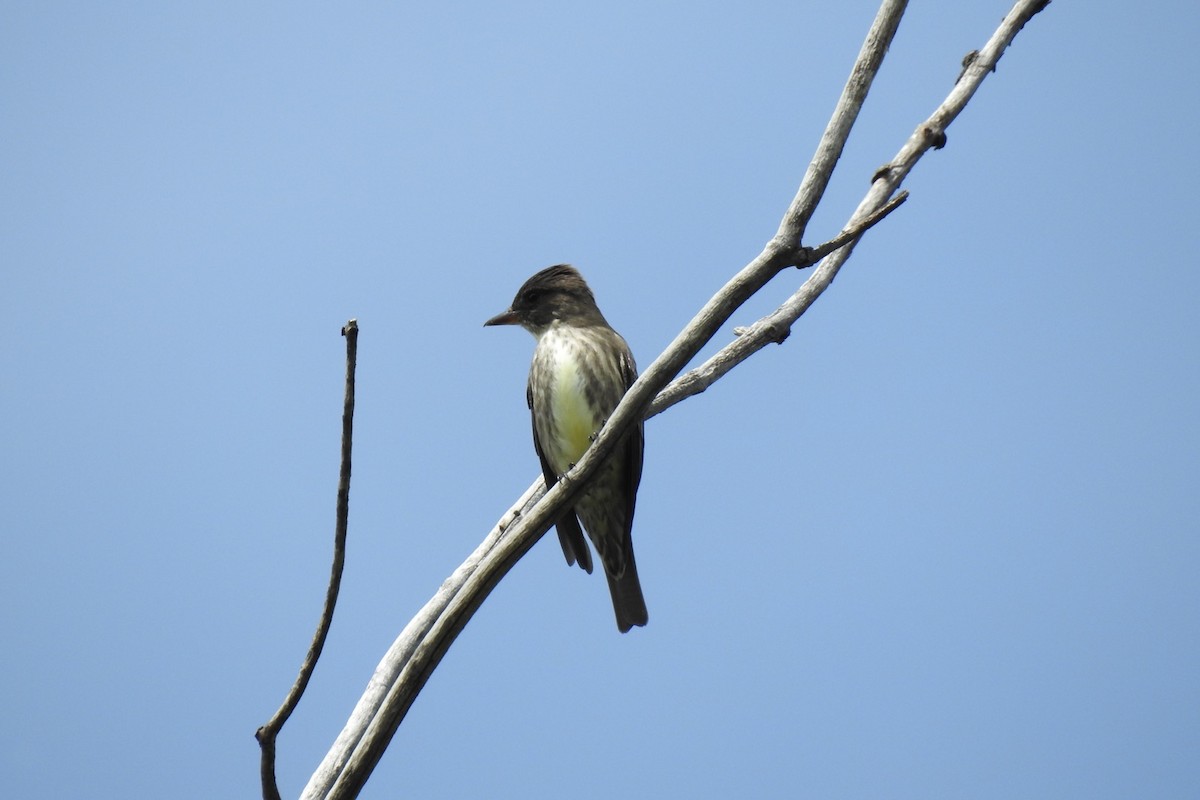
x=581, y=369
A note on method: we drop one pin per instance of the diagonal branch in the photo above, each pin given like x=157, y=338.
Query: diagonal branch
x=422, y=644
x=845, y=114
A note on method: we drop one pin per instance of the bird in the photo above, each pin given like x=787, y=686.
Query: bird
x=581, y=369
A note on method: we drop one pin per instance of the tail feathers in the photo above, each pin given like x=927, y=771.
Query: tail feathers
x=628, y=602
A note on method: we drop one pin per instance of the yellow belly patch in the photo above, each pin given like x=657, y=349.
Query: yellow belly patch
x=575, y=421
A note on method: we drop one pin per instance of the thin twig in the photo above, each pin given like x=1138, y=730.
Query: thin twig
x=268, y=733
x=807, y=256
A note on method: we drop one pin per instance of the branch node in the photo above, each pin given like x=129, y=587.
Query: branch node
x=783, y=252
x=778, y=333
x=935, y=136
x=967, y=61
x=803, y=257
x=508, y=519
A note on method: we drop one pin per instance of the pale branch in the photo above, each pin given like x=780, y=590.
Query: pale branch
x=420, y=647
x=837, y=131
x=930, y=134
x=268, y=733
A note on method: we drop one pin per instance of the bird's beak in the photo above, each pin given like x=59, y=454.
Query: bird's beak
x=506, y=318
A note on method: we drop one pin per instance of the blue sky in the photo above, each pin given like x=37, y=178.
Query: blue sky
x=942, y=543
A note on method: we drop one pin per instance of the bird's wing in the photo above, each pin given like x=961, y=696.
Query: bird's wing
x=634, y=445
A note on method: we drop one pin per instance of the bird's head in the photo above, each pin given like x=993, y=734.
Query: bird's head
x=556, y=294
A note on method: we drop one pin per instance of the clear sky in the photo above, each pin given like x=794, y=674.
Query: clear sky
x=943, y=543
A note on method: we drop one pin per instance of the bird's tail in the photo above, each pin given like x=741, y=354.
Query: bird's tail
x=627, y=599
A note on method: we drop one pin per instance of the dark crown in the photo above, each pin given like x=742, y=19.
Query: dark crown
x=557, y=292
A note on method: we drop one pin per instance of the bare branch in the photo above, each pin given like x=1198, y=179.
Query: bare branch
x=775, y=327
x=807, y=256
x=268, y=733
x=845, y=114
x=419, y=649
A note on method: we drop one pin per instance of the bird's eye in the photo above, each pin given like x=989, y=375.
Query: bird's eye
x=533, y=295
